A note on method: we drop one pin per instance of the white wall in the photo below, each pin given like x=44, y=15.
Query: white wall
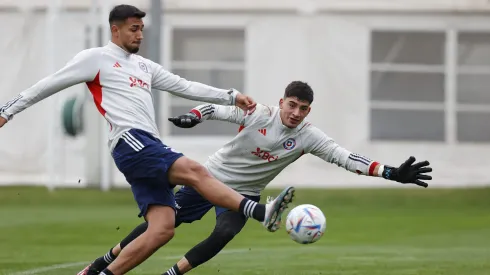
x=23, y=142
x=328, y=50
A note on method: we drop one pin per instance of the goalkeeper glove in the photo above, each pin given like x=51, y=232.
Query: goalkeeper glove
x=408, y=173
x=188, y=120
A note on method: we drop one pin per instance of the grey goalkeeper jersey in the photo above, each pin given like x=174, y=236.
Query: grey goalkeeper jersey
x=264, y=147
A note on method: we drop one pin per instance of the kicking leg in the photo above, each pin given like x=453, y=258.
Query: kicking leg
x=188, y=172
x=228, y=225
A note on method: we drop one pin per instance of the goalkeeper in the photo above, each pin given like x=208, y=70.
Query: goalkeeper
x=269, y=139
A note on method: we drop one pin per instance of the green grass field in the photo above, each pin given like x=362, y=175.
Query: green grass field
x=376, y=232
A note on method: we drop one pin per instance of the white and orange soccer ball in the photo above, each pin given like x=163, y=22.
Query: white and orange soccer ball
x=306, y=224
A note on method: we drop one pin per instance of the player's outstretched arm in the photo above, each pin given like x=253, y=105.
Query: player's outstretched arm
x=203, y=112
x=82, y=68
x=408, y=172
x=166, y=81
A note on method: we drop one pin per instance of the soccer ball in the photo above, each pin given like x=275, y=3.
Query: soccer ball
x=306, y=224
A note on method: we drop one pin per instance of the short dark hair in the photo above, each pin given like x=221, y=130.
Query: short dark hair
x=122, y=12
x=301, y=90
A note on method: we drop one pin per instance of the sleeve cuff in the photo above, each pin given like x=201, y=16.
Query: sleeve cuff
x=197, y=113
x=6, y=116
x=233, y=93
x=375, y=169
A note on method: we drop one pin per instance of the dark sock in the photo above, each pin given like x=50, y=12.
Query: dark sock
x=106, y=272
x=252, y=209
x=102, y=262
x=173, y=271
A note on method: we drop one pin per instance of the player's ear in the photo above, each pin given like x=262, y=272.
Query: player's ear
x=114, y=28
x=281, y=101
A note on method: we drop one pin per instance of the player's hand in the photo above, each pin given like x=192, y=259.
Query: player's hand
x=2, y=121
x=409, y=172
x=245, y=103
x=188, y=120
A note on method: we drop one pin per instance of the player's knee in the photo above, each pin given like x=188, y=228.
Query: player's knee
x=161, y=221
x=189, y=172
x=226, y=230
x=162, y=235
x=161, y=232
x=198, y=172
x=225, y=234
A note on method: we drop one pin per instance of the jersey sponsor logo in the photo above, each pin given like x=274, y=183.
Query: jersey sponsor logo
x=289, y=144
x=137, y=82
x=264, y=155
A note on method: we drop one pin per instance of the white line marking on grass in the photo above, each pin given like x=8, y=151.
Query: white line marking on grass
x=68, y=265
x=50, y=268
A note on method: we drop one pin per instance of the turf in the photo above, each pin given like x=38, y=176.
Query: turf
x=369, y=231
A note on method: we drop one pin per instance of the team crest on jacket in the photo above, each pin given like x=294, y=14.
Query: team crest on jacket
x=143, y=67
x=289, y=144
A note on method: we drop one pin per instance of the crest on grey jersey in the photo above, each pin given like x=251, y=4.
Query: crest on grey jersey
x=143, y=67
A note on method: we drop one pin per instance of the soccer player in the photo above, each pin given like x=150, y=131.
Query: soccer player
x=268, y=141
x=121, y=83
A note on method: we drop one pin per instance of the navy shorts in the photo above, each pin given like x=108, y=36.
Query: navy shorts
x=191, y=206
x=145, y=160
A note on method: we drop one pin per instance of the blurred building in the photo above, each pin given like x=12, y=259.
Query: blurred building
x=392, y=79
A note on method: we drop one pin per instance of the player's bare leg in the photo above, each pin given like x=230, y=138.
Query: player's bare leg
x=184, y=265
x=185, y=171
x=161, y=222
x=117, y=249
